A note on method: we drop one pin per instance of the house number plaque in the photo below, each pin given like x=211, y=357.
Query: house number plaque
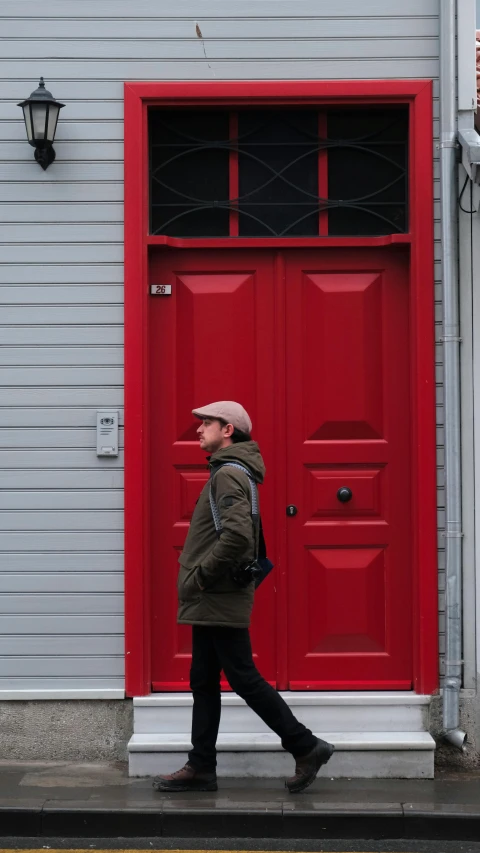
x=161, y=289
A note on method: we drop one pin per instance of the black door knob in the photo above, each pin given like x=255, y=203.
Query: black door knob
x=344, y=494
x=292, y=509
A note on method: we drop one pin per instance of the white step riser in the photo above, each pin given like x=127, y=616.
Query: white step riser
x=372, y=764
x=163, y=720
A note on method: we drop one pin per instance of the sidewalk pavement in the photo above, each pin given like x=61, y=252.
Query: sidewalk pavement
x=59, y=799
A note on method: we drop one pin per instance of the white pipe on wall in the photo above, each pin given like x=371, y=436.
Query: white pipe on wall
x=451, y=349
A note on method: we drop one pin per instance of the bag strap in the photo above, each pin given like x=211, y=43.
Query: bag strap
x=254, y=494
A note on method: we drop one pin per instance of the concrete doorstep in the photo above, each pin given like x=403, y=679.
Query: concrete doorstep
x=93, y=800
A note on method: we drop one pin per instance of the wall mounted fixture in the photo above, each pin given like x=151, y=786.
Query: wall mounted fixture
x=40, y=112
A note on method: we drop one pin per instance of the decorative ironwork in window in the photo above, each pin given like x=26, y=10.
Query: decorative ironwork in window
x=279, y=172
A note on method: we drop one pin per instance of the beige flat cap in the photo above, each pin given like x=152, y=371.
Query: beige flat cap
x=228, y=411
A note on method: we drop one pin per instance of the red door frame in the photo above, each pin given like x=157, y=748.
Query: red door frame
x=138, y=97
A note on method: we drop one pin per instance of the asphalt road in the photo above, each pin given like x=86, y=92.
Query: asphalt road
x=232, y=845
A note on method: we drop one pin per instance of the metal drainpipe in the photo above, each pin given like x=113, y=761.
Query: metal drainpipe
x=451, y=349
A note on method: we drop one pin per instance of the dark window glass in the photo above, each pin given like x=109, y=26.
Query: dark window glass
x=367, y=171
x=278, y=173
x=189, y=188
x=279, y=192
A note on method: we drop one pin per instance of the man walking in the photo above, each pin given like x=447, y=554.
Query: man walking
x=219, y=609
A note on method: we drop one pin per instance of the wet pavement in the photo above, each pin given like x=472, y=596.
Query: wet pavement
x=79, y=800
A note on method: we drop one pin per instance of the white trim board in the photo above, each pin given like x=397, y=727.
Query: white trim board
x=42, y=695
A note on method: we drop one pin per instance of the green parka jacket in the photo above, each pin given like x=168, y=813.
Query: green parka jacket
x=207, y=559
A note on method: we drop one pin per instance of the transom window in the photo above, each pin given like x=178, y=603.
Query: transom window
x=278, y=172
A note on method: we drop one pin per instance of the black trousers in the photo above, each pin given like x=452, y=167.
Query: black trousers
x=230, y=649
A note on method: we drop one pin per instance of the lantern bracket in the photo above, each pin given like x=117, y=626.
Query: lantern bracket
x=44, y=156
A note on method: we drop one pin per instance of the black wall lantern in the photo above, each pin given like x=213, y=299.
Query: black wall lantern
x=40, y=112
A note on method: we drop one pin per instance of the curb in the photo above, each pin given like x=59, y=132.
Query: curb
x=276, y=820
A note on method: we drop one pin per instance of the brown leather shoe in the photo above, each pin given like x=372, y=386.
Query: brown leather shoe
x=307, y=767
x=187, y=779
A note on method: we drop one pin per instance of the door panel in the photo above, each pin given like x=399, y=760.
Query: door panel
x=343, y=353
x=349, y=626
x=212, y=339
x=349, y=574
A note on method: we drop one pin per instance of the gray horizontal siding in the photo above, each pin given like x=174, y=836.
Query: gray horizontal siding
x=61, y=277
x=48, y=295
x=59, y=626
x=12, y=604
x=87, y=211
x=55, y=273
x=57, y=192
x=38, y=665
x=74, y=645
x=97, y=315
x=194, y=49
x=266, y=9
x=68, y=520
x=52, y=459
x=37, y=540
x=58, y=335
x=66, y=478
x=101, y=356
x=95, y=397
x=39, y=253
x=250, y=69
x=81, y=110
x=102, y=561
x=60, y=582
x=247, y=69
x=38, y=376
x=47, y=417
x=85, y=130
x=64, y=232
x=34, y=437
x=134, y=36
x=26, y=170
x=72, y=150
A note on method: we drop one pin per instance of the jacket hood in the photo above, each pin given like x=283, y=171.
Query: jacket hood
x=246, y=453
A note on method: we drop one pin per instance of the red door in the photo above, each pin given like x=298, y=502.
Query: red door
x=211, y=340
x=315, y=344
x=348, y=470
